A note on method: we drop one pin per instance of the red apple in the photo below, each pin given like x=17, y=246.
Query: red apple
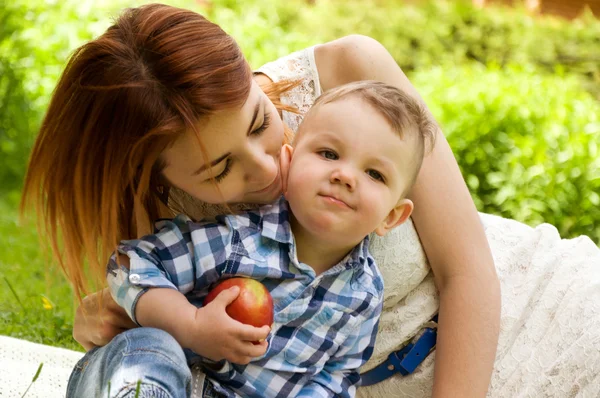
x=253, y=306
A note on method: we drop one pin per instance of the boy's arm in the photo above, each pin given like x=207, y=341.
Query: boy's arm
x=208, y=331
x=168, y=310
x=150, y=277
x=167, y=259
x=164, y=308
x=340, y=375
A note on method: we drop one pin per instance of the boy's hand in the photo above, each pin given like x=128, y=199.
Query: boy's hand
x=216, y=336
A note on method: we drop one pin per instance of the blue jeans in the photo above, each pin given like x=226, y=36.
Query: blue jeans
x=151, y=356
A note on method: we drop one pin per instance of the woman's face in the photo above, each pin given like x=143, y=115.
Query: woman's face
x=242, y=147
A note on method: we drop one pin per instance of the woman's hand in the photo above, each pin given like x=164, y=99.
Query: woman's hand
x=215, y=335
x=98, y=319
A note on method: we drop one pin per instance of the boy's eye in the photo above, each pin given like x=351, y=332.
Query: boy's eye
x=327, y=154
x=374, y=174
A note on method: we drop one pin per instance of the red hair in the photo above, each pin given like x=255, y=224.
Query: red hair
x=121, y=100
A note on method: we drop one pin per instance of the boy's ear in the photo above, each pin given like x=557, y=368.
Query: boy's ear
x=396, y=216
x=284, y=163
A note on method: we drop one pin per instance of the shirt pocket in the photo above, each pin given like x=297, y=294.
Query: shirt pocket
x=250, y=261
x=313, y=343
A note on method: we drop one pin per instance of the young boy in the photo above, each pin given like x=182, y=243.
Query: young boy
x=355, y=157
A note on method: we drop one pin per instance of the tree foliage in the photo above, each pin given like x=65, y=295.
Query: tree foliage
x=516, y=95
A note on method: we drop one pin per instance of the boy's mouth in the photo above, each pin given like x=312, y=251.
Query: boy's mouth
x=336, y=201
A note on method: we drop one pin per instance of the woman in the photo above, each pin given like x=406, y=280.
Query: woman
x=162, y=115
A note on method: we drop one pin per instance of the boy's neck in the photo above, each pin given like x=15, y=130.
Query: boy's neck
x=321, y=254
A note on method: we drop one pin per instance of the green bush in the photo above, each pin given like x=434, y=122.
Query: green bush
x=418, y=35
x=476, y=48
x=35, y=40
x=16, y=123
x=527, y=143
x=525, y=137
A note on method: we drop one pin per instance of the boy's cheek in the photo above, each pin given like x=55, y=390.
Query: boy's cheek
x=285, y=160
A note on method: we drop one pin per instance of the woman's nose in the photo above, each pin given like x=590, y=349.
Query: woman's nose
x=344, y=176
x=261, y=167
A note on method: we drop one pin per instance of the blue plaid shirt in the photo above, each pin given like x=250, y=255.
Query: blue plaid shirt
x=324, y=326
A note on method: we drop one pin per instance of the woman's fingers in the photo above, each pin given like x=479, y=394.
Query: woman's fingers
x=82, y=339
x=98, y=320
x=85, y=316
x=116, y=315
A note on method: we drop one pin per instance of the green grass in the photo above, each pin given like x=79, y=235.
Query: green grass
x=36, y=302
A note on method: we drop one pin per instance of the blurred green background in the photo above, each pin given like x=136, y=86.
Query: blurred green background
x=517, y=96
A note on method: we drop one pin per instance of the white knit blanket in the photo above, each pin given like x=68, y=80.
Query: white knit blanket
x=549, y=343
x=550, y=332
x=19, y=361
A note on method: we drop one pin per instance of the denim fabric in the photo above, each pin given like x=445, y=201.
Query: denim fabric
x=148, y=355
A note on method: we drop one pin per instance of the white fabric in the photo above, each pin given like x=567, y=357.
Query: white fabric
x=19, y=360
x=550, y=331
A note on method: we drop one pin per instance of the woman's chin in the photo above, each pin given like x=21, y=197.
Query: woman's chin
x=264, y=197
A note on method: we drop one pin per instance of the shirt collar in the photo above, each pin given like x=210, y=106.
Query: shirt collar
x=358, y=256
x=275, y=220
x=362, y=250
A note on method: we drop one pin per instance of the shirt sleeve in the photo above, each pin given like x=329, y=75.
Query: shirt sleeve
x=340, y=375
x=172, y=258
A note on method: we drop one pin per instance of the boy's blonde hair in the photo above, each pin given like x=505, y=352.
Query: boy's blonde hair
x=405, y=114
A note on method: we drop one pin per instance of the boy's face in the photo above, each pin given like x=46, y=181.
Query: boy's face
x=348, y=171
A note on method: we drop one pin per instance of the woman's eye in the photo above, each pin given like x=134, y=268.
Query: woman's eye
x=264, y=126
x=375, y=175
x=225, y=171
x=329, y=155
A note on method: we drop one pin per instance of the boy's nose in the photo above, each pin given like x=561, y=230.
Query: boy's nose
x=345, y=177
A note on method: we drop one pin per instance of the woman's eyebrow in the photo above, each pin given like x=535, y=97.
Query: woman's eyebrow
x=215, y=162
x=254, y=116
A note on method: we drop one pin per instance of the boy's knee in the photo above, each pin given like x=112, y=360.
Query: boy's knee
x=149, y=340
x=154, y=359
x=149, y=357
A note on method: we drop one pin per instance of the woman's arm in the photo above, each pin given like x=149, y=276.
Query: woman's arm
x=449, y=228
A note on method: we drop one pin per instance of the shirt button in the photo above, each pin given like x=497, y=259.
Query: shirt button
x=135, y=278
